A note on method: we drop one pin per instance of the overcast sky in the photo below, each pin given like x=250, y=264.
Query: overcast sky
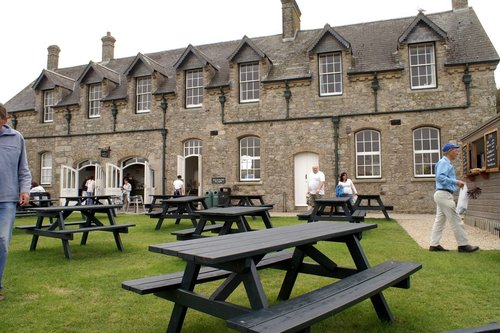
x=28, y=27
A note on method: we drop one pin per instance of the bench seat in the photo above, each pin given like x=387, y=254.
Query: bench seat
x=301, y=312
x=164, y=282
x=490, y=328
x=119, y=227
x=22, y=227
x=188, y=233
x=304, y=215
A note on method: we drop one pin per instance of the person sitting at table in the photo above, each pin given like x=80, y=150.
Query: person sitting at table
x=348, y=186
x=35, y=187
x=126, y=189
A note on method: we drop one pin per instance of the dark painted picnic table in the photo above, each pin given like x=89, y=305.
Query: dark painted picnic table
x=184, y=207
x=372, y=202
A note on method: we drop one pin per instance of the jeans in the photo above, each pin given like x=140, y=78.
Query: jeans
x=7, y=217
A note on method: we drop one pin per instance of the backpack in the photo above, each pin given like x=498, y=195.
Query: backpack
x=339, y=191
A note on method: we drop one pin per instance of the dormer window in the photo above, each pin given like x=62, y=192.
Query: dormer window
x=330, y=74
x=143, y=94
x=194, y=88
x=422, y=66
x=249, y=82
x=48, y=102
x=95, y=95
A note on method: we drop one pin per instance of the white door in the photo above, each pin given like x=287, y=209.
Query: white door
x=148, y=183
x=113, y=180
x=303, y=164
x=200, y=175
x=181, y=167
x=99, y=180
x=69, y=181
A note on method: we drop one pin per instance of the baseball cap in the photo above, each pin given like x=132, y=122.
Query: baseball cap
x=449, y=146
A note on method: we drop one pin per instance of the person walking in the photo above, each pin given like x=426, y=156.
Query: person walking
x=348, y=186
x=15, y=181
x=126, y=189
x=315, y=185
x=446, y=185
x=178, y=186
x=90, y=190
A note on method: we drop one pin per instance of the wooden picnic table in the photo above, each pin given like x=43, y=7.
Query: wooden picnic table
x=80, y=200
x=228, y=215
x=184, y=207
x=57, y=228
x=373, y=202
x=246, y=199
x=235, y=259
x=334, y=209
x=156, y=200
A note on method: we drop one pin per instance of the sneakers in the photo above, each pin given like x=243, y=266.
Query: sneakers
x=468, y=248
x=437, y=248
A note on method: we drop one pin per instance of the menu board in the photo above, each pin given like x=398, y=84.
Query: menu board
x=465, y=159
x=491, y=149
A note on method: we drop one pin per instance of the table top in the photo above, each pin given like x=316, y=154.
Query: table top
x=368, y=196
x=233, y=210
x=75, y=208
x=226, y=248
x=243, y=196
x=333, y=200
x=184, y=199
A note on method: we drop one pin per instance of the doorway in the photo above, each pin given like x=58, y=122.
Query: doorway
x=303, y=163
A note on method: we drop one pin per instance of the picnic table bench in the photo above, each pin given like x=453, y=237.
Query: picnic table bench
x=235, y=258
x=373, y=202
x=57, y=227
x=333, y=209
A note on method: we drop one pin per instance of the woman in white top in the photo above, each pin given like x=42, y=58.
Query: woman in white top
x=348, y=185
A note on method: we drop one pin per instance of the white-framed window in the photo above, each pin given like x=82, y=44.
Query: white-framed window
x=422, y=66
x=368, y=154
x=194, y=88
x=46, y=169
x=330, y=74
x=426, y=151
x=250, y=158
x=95, y=95
x=249, y=82
x=48, y=102
x=143, y=94
x=192, y=147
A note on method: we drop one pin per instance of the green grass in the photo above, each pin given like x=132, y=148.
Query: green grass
x=44, y=292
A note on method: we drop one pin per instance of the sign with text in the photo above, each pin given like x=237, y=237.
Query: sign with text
x=491, y=149
x=218, y=180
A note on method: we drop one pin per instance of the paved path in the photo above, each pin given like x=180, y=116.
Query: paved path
x=419, y=227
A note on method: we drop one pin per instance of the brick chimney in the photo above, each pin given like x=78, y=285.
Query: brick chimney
x=108, y=47
x=459, y=4
x=53, y=57
x=291, y=19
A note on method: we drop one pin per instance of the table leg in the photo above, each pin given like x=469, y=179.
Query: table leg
x=179, y=312
x=201, y=225
x=382, y=207
x=118, y=240
x=34, y=239
x=267, y=219
x=291, y=275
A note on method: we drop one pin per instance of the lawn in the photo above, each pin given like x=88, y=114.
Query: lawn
x=44, y=292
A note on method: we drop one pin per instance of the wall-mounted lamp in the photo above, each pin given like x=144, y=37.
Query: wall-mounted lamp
x=114, y=113
x=164, y=104
x=14, y=121
x=67, y=116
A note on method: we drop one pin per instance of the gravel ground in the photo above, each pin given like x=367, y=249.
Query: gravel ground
x=419, y=227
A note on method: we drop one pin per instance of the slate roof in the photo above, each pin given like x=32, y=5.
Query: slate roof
x=373, y=46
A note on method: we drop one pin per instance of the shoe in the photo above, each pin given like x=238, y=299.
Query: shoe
x=468, y=248
x=437, y=248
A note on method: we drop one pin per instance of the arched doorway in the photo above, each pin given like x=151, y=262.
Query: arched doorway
x=303, y=163
x=140, y=175
x=190, y=165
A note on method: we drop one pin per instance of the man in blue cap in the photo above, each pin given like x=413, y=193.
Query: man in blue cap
x=446, y=185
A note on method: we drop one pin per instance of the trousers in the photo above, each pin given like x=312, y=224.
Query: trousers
x=446, y=211
x=7, y=217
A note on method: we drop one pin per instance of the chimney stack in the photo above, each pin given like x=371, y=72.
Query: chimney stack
x=459, y=4
x=108, y=47
x=291, y=19
x=53, y=57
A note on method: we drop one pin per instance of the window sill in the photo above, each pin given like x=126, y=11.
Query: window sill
x=249, y=183
x=423, y=180
x=370, y=180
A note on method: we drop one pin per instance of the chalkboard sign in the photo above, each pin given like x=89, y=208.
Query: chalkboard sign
x=465, y=159
x=491, y=149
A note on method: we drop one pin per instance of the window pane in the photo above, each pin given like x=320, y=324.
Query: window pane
x=422, y=66
x=249, y=82
x=330, y=74
x=250, y=159
x=143, y=94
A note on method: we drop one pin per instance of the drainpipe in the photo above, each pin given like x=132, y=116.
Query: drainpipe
x=336, y=121
x=375, y=87
x=163, y=105
x=114, y=113
x=67, y=115
x=467, y=79
x=288, y=94
x=222, y=101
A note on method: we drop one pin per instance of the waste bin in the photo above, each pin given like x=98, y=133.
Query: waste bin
x=224, y=193
x=209, y=199
x=215, y=199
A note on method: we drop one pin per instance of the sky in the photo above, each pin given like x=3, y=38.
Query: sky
x=28, y=27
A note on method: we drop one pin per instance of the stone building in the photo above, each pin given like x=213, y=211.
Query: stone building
x=374, y=99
